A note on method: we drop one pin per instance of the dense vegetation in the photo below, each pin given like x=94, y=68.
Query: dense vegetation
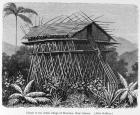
x=19, y=91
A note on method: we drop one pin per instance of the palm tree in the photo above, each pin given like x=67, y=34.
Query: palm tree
x=128, y=91
x=26, y=95
x=11, y=8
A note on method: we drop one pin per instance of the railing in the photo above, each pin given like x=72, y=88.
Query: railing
x=67, y=39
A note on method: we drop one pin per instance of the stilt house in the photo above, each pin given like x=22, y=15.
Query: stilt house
x=70, y=50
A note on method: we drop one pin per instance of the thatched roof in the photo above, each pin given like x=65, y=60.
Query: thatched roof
x=59, y=29
x=63, y=27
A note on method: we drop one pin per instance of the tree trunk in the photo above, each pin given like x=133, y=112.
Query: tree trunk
x=16, y=34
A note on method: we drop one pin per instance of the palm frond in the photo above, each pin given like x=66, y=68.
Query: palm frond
x=111, y=92
x=28, y=87
x=8, y=9
x=16, y=87
x=20, y=8
x=106, y=95
x=27, y=10
x=130, y=84
x=110, y=99
x=134, y=93
x=124, y=95
x=15, y=95
x=116, y=94
x=130, y=99
x=123, y=81
x=119, y=91
x=42, y=99
x=25, y=18
x=13, y=101
x=133, y=86
x=8, y=13
x=11, y=6
x=56, y=100
x=36, y=94
x=31, y=100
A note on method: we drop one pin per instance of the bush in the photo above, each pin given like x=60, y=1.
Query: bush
x=24, y=96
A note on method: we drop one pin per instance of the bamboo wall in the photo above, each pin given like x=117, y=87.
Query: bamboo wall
x=64, y=62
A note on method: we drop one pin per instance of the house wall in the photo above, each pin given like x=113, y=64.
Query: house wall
x=81, y=34
x=95, y=33
x=92, y=32
x=98, y=34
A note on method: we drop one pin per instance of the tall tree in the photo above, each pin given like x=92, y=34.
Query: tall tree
x=11, y=8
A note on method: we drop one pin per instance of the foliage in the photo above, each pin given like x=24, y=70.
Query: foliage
x=15, y=71
x=26, y=96
x=19, y=80
x=5, y=62
x=5, y=88
x=128, y=92
x=107, y=97
x=134, y=75
x=116, y=64
x=59, y=87
x=55, y=100
x=17, y=64
x=121, y=67
x=135, y=67
x=76, y=100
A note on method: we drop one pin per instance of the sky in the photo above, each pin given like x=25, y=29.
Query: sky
x=124, y=16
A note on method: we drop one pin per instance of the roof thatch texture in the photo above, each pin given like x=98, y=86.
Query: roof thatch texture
x=63, y=27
